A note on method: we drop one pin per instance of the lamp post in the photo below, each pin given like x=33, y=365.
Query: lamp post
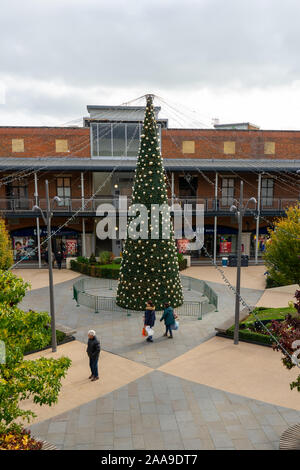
x=239, y=209
x=47, y=221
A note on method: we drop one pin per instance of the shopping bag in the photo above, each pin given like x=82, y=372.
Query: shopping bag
x=149, y=331
x=144, y=332
x=175, y=325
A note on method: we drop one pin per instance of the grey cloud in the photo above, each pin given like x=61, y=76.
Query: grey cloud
x=143, y=44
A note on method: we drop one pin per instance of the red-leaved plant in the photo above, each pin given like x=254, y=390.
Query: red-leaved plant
x=287, y=332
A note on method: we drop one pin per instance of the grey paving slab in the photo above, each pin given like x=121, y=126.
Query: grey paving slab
x=195, y=421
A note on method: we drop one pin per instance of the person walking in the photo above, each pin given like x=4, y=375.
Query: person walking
x=168, y=317
x=149, y=319
x=93, y=351
x=59, y=258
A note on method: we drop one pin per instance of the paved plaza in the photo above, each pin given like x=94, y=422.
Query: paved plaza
x=196, y=391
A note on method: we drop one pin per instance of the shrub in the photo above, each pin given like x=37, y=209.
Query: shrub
x=182, y=261
x=110, y=271
x=19, y=440
x=82, y=259
x=20, y=379
x=6, y=254
x=248, y=335
x=282, y=255
x=12, y=288
x=92, y=259
x=117, y=260
x=105, y=257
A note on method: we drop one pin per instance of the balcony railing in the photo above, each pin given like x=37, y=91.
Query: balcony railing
x=75, y=204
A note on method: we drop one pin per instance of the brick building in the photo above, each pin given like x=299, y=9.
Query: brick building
x=203, y=166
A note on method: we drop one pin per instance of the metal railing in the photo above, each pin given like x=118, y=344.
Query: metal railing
x=74, y=204
x=196, y=308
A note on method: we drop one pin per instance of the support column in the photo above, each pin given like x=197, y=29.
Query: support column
x=83, y=238
x=172, y=188
x=83, y=219
x=216, y=219
x=258, y=216
x=36, y=196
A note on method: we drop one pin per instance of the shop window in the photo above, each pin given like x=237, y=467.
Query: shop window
x=269, y=148
x=227, y=191
x=229, y=148
x=17, y=145
x=61, y=145
x=64, y=191
x=188, y=146
x=267, y=187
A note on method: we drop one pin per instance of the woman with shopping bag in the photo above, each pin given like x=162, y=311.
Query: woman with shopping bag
x=169, y=319
x=149, y=320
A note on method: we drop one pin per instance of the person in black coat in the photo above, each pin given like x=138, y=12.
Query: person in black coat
x=149, y=319
x=59, y=258
x=93, y=351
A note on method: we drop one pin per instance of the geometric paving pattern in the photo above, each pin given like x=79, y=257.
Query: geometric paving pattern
x=157, y=409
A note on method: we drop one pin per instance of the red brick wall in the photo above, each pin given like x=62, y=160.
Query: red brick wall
x=249, y=144
x=40, y=141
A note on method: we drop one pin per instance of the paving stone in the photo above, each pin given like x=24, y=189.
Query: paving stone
x=104, y=438
x=121, y=431
x=242, y=444
x=123, y=443
x=57, y=427
x=257, y=436
x=167, y=422
x=221, y=439
x=138, y=441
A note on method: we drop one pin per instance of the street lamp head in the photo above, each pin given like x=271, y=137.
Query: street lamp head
x=233, y=208
x=56, y=199
x=35, y=208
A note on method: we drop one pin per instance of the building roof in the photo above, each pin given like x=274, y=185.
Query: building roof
x=129, y=163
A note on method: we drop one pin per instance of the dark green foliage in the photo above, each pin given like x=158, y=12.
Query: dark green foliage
x=252, y=336
x=108, y=271
x=82, y=259
x=182, y=262
x=149, y=269
x=92, y=259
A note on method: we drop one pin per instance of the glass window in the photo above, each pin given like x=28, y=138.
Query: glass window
x=104, y=140
x=94, y=140
x=227, y=191
x=119, y=142
x=64, y=191
x=133, y=139
x=267, y=186
x=116, y=139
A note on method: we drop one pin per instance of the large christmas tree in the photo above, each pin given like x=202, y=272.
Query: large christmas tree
x=149, y=269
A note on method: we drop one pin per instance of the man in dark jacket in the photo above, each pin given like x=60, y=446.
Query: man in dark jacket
x=93, y=351
x=149, y=318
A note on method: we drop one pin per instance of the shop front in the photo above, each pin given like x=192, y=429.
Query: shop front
x=25, y=244
x=226, y=243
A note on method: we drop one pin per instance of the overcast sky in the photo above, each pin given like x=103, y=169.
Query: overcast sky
x=236, y=60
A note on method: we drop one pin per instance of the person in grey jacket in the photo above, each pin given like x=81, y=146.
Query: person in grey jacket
x=93, y=351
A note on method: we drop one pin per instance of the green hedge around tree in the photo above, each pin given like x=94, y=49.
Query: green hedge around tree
x=108, y=271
